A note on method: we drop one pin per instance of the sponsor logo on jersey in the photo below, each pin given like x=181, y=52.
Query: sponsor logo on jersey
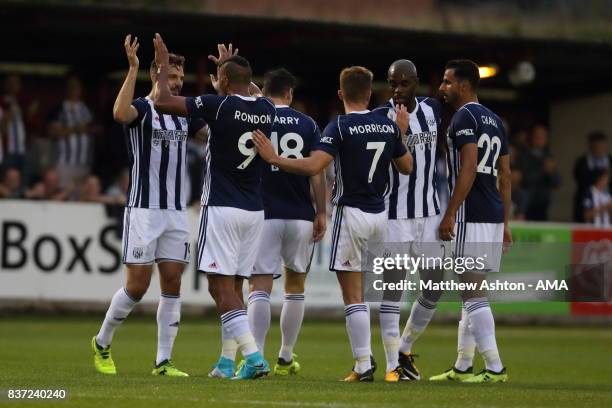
x=466, y=132
x=168, y=136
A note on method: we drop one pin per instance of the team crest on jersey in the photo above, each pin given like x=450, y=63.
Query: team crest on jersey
x=138, y=252
x=431, y=122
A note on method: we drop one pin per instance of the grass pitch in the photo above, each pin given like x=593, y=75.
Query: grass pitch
x=548, y=367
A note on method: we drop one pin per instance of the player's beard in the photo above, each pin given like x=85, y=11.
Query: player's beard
x=175, y=91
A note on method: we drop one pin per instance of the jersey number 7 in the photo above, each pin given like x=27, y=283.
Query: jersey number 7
x=379, y=147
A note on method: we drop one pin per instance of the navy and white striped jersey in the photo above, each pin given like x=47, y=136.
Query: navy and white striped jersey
x=157, y=146
x=233, y=167
x=75, y=148
x=595, y=198
x=287, y=196
x=415, y=195
x=15, y=134
x=363, y=145
x=474, y=123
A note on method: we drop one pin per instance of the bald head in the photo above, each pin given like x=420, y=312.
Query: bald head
x=403, y=67
x=403, y=80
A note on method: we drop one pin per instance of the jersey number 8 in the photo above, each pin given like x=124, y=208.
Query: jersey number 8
x=285, y=150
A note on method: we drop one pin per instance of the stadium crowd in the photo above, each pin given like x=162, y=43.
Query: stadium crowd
x=62, y=149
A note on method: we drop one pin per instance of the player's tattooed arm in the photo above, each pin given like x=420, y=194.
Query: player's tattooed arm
x=308, y=166
x=319, y=188
x=166, y=102
x=467, y=173
x=123, y=111
x=505, y=189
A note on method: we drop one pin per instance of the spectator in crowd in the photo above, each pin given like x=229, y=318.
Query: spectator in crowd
x=1, y=141
x=596, y=201
x=587, y=167
x=91, y=192
x=71, y=124
x=539, y=174
x=519, y=139
x=119, y=189
x=13, y=123
x=11, y=184
x=49, y=188
x=520, y=198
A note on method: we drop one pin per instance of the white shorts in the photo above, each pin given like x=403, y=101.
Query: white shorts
x=480, y=240
x=288, y=243
x=154, y=235
x=353, y=232
x=229, y=239
x=419, y=234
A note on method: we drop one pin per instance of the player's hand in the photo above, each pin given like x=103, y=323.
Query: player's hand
x=446, y=230
x=130, y=50
x=507, y=240
x=214, y=80
x=224, y=54
x=402, y=118
x=161, y=51
x=264, y=146
x=319, y=226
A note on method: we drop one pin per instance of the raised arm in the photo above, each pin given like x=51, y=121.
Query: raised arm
x=308, y=166
x=465, y=179
x=166, y=102
x=123, y=111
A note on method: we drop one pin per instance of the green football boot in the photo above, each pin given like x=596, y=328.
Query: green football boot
x=452, y=374
x=168, y=369
x=488, y=376
x=283, y=367
x=103, y=360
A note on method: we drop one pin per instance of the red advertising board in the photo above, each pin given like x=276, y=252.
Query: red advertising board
x=596, y=248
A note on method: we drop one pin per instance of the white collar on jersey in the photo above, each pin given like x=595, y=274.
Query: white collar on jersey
x=282, y=106
x=245, y=98
x=360, y=112
x=416, y=105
